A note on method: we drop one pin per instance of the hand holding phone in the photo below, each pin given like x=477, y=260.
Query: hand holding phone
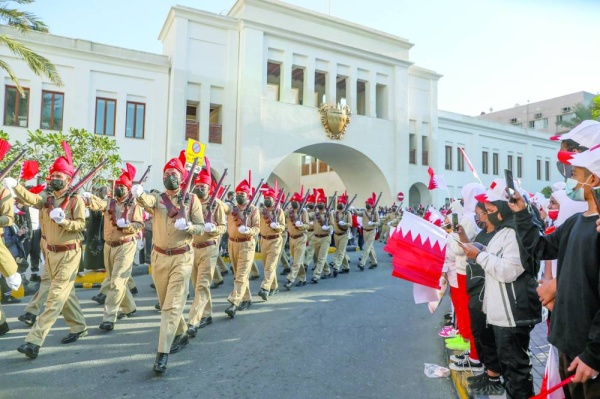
x=455, y=222
x=510, y=184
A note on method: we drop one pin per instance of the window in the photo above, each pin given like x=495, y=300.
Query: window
x=519, y=166
x=134, y=125
x=425, y=150
x=192, y=127
x=16, y=107
x=215, y=133
x=448, y=157
x=484, y=162
x=320, y=85
x=297, y=85
x=547, y=164
x=381, y=101
x=412, y=149
x=106, y=109
x=361, y=97
x=273, y=80
x=539, y=169
x=509, y=163
x=52, y=110
x=531, y=124
x=340, y=89
x=460, y=160
x=495, y=162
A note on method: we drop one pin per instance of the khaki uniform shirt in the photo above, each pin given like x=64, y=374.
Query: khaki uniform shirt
x=318, y=227
x=71, y=230
x=265, y=228
x=164, y=233
x=335, y=217
x=234, y=221
x=7, y=202
x=115, y=233
x=366, y=217
x=292, y=216
x=218, y=219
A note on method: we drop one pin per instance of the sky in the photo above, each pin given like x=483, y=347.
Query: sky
x=493, y=54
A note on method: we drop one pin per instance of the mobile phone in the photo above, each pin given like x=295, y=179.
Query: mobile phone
x=455, y=222
x=510, y=184
x=596, y=192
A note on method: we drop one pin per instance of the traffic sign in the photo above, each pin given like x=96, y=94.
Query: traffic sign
x=400, y=196
x=195, y=149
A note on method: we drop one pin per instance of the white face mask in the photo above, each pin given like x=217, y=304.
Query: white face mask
x=576, y=194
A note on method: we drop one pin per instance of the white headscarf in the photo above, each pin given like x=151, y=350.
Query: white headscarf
x=568, y=207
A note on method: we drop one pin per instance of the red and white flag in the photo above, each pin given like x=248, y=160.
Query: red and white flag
x=434, y=216
x=436, y=181
x=418, y=249
x=552, y=376
x=466, y=157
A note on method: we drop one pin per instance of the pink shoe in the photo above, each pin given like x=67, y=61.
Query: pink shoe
x=448, y=332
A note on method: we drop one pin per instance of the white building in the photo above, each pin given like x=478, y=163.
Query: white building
x=249, y=84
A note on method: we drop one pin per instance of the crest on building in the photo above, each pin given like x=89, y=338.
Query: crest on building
x=335, y=120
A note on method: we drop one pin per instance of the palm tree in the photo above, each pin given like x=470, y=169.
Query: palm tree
x=581, y=113
x=24, y=22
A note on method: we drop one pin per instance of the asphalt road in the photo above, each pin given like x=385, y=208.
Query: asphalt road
x=356, y=336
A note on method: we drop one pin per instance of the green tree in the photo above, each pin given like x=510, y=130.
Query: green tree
x=24, y=22
x=88, y=150
x=596, y=108
x=582, y=113
x=547, y=191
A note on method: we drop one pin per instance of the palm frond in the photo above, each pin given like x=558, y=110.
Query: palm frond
x=38, y=64
x=22, y=20
x=6, y=67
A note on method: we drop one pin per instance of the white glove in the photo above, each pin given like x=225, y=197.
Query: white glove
x=243, y=229
x=342, y=223
x=325, y=227
x=14, y=281
x=371, y=223
x=390, y=224
x=86, y=194
x=351, y=208
x=9, y=183
x=137, y=190
x=58, y=215
x=311, y=223
x=298, y=223
x=181, y=224
x=274, y=225
x=87, y=213
x=122, y=223
x=209, y=227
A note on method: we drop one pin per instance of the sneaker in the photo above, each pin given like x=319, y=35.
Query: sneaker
x=488, y=387
x=448, y=332
x=466, y=365
x=456, y=338
x=460, y=357
x=476, y=379
x=459, y=346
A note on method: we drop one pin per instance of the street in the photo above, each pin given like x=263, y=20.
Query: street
x=359, y=335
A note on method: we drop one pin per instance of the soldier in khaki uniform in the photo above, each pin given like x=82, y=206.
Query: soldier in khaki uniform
x=309, y=255
x=297, y=224
x=272, y=224
x=242, y=225
x=370, y=221
x=62, y=234
x=121, y=226
x=322, y=234
x=340, y=222
x=172, y=255
x=206, y=251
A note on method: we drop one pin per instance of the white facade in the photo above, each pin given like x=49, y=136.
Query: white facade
x=259, y=75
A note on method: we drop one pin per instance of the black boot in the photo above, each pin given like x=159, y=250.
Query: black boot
x=30, y=350
x=4, y=328
x=231, y=310
x=160, y=364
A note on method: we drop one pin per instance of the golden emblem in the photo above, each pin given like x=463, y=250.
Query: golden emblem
x=335, y=120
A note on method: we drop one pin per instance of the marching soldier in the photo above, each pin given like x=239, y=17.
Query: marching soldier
x=172, y=256
x=272, y=224
x=322, y=234
x=121, y=226
x=206, y=251
x=297, y=224
x=370, y=221
x=63, y=232
x=242, y=225
x=310, y=232
x=385, y=227
x=341, y=222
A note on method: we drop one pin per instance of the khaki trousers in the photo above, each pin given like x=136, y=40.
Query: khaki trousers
x=368, y=250
x=339, y=257
x=105, y=286
x=62, y=268
x=118, y=262
x=216, y=276
x=309, y=255
x=385, y=230
x=297, y=250
x=321, y=250
x=242, y=257
x=171, y=275
x=205, y=261
x=221, y=263
x=270, y=251
x=254, y=272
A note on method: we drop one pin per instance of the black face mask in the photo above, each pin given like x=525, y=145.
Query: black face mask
x=311, y=206
x=120, y=192
x=481, y=224
x=171, y=182
x=320, y=207
x=369, y=207
x=295, y=205
x=57, y=185
x=268, y=203
x=240, y=199
x=493, y=218
x=202, y=193
x=340, y=207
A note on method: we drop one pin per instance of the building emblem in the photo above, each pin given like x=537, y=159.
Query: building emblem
x=335, y=120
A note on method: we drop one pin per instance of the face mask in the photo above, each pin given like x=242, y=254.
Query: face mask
x=320, y=207
x=369, y=207
x=295, y=205
x=268, y=203
x=493, y=218
x=553, y=214
x=240, y=199
x=202, y=193
x=171, y=182
x=572, y=192
x=120, y=192
x=340, y=207
x=311, y=206
x=57, y=185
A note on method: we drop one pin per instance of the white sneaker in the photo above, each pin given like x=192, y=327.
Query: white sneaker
x=460, y=357
x=466, y=365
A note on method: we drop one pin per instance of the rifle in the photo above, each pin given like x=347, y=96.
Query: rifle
x=73, y=189
x=12, y=164
x=279, y=197
x=184, y=194
x=286, y=201
x=328, y=210
x=252, y=200
x=303, y=204
x=349, y=204
x=224, y=193
x=375, y=206
x=129, y=200
x=213, y=197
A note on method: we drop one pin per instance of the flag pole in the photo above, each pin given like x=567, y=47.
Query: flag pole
x=473, y=171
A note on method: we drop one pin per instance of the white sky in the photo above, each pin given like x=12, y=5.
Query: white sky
x=492, y=53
